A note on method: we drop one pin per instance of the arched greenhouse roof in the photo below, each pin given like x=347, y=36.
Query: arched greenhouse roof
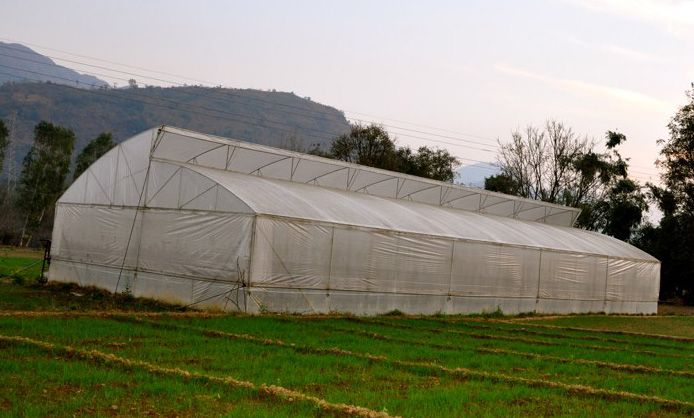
x=188, y=170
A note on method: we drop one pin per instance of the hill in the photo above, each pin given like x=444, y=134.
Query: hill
x=19, y=63
x=474, y=174
x=271, y=118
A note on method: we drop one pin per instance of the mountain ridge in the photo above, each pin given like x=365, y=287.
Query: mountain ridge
x=19, y=63
x=271, y=118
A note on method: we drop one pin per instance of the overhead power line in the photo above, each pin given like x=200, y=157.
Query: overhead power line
x=422, y=125
x=148, y=100
x=227, y=93
x=246, y=97
x=177, y=107
x=489, y=166
x=304, y=111
x=125, y=97
x=106, y=61
x=113, y=99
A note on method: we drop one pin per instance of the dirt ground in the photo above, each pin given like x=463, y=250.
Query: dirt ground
x=667, y=309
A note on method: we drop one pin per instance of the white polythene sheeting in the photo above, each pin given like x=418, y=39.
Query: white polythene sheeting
x=299, y=201
x=193, y=219
x=173, y=144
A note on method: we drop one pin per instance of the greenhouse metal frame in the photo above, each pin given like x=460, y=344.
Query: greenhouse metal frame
x=216, y=223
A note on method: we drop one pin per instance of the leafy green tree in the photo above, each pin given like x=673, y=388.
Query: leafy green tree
x=366, y=145
x=371, y=145
x=437, y=164
x=44, y=171
x=615, y=207
x=92, y=152
x=677, y=158
x=672, y=241
x=501, y=183
x=621, y=211
x=3, y=142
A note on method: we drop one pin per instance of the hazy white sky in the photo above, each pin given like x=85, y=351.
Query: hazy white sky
x=480, y=68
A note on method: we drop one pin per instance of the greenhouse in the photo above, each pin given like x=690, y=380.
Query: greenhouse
x=216, y=223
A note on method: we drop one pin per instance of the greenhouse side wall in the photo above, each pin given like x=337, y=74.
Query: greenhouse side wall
x=311, y=267
x=178, y=256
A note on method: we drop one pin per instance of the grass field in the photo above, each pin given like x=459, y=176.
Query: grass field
x=66, y=351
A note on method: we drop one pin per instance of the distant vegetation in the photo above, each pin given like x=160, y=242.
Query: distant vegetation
x=371, y=145
x=555, y=165
x=271, y=118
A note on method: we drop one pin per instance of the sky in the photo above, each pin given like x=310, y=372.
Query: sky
x=463, y=73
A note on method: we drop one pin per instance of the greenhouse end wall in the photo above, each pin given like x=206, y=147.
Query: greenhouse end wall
x=183, y=257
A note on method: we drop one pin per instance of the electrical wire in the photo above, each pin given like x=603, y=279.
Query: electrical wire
x=304, y=110
x=264, y=101
x=104, y=93
x=494, y=150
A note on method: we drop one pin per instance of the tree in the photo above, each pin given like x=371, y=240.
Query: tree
x=672, y=241
x=612, y=203
x=437, y=164
x=555, y=165
x=501, y=183
x=92, y=152
x=44, y=171
x=366, y=145
x=371, y=145
x=3, y=142
x=677, y=158
x=620, y=212
x=539, y=162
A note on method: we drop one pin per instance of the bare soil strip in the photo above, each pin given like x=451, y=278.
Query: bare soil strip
x=523, y=330
x=483, y=323
x=603, y=331
x=518, y=339
x=552, y=317
x=110, y=313
x=458, y=371
x=277, y=392
x=604, y=364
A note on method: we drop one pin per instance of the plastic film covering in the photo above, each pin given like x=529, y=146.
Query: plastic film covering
x=174, y=187
x=96, y=235
x=189, y=218
x=387, y=262
x=166, y=251
x=291, y=254
x=372, y=303
x=209, y=151
x=630, y=281
x=488, y=270
x=573, y=276
x=117, y=177
x=193, y=244
x=104, y=277
x=291, y=200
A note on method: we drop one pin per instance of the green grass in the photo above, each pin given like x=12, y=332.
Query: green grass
x=20, y=270
x=404, y=379
x=668, y=325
